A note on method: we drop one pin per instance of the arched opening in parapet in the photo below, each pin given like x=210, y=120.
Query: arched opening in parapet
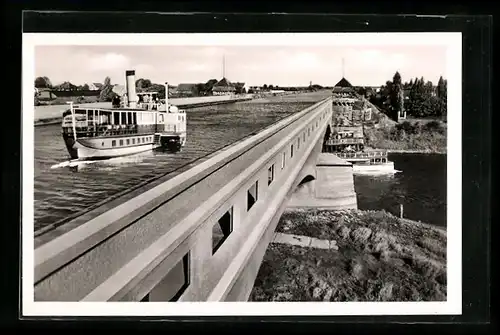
x=305, y=187
x=328, y=134
x=306, y=179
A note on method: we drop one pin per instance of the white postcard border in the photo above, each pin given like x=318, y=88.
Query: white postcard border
x=453, y=305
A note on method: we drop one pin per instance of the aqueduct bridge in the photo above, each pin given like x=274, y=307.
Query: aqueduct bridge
x=199, y=236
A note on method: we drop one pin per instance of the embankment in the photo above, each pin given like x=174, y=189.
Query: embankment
x=407, y=136
x=379, y=258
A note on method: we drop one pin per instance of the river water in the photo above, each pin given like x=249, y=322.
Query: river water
x=420, y=187
x=63, y=191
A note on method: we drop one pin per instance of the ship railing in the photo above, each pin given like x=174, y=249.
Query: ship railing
x=372, y=154
x=149, y=105
x=345, y=141
x=103, y=130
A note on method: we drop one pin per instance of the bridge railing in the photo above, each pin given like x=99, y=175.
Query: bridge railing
x=126, y=252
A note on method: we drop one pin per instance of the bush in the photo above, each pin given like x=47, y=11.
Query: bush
x=434, y=126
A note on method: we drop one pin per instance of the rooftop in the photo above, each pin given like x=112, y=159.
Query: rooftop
x=343, y=83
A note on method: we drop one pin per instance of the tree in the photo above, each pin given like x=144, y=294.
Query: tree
x=157, y=88
x=86, y=87
x=396, y=95
x=43, y=82
x=142, y=84
x=441, y=89
x=107, y=93
x=200, y=89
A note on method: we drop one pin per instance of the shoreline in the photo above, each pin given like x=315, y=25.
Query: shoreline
x=378, y=257
x=414, y=151
x=408, y=151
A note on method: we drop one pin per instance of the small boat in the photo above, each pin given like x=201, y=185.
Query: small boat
x=369, y=161
x=135, y=123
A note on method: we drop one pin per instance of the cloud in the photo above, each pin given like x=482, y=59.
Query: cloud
x=371, y=58
x=107, y=61
x=143, y=68
x=210, y=51
x=303, y=60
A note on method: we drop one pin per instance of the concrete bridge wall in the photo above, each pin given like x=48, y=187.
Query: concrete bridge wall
x=159, y=245
x=331, y=188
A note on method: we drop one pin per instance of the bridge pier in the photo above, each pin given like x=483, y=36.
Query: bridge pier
x=331, y=188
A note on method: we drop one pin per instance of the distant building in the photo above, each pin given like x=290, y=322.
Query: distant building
x=95, y=86
x=343, y=87
x=240, y=88
x=223, y=87
x=187, y=90
x=46, y=94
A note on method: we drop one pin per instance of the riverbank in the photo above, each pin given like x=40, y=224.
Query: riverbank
x=408, y=137
x=421, y=151
x=379, y=258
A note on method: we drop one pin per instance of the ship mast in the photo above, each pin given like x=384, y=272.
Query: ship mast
x=73, y=118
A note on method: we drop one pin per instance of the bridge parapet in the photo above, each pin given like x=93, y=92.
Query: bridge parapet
x=196, y=237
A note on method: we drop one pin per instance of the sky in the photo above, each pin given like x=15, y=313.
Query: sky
x=254, y=65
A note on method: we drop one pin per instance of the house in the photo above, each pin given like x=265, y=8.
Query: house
x=240, y=88
x=187, y=90
x=223, y=87
x=45, y=94
x=254, y=89
x=95, y=87
x=66, y=86
x=343, y=87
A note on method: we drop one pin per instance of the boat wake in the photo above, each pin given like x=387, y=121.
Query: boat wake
x=71, y=163
x=110, y=163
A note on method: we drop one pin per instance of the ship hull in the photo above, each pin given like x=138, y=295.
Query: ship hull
x=85, y=153
x=373, y=168
x=109, y=147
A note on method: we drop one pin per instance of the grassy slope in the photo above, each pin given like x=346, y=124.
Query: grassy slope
x=383, y=135
x=380, y=258
x=388, y=138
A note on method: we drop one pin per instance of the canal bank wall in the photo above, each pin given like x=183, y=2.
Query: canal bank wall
x=46, y=115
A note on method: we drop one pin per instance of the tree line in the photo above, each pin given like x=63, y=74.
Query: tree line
x=418, y=98
x=106, y=92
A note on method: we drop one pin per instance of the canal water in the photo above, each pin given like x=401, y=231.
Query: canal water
x=420, y=187
x=61, y=191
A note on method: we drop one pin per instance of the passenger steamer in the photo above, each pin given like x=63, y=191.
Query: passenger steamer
x=136, y=123
x=348, y=143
